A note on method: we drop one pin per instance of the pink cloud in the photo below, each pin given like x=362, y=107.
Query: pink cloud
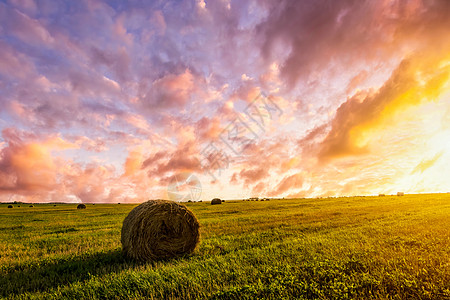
x=117, y=60
x=29, y=30
x=259, y=189
x=183, y=159
x=208, y=129
x=356, y=80
x=25, y=5
x=134, y=162
x=150, y=161
x=159, y=21
x=169, y=91
x=287, y=183
x=31, y=170
x=95, y=145
x=253, y=175
x=321, y=34
x=13, y=63
x=28, y=166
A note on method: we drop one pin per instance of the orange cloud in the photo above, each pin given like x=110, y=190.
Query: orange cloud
x=417, y=79
x=253, y=175
x=208, y=129
x=356, y=80
x=29, y=166
x=170, y=91
x=287, y=183
x=133, y=162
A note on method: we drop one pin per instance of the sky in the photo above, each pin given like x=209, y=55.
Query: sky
x=125, y=101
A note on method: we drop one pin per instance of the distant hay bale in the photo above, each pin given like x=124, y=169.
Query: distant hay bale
x=216, y=201
x=10, y=206
x=381, y=195
x=31, y=205
x=223, y=200
x=81, y=206
x=159, y=229
x=400, y=194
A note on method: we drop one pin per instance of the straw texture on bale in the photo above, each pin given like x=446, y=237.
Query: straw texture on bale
x=159, y=229
x=81, y=206
x=216, y=201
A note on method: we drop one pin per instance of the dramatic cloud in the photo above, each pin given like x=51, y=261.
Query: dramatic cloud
x=287, y=183
x=170, y=91
x=107, y=102
x=28, y=166
x=251, y=176
x=326, y=33
x=416, y=79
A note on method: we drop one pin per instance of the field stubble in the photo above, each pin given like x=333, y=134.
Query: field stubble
x=331, y=248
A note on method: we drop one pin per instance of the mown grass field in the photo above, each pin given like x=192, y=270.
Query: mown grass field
x=332, y=248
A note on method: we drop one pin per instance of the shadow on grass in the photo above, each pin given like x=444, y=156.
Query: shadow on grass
x=39, y=278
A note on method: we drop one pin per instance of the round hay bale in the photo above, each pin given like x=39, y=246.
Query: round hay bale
x=159, y=229
x=81, y=206
x=31, y=206
x=381, y=195
x=400, y=194
x=216, y=201
x=10, y=206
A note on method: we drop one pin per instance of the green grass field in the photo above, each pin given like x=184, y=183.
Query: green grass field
x=332, y=248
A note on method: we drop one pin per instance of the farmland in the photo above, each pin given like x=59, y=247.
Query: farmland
x=330, y=248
